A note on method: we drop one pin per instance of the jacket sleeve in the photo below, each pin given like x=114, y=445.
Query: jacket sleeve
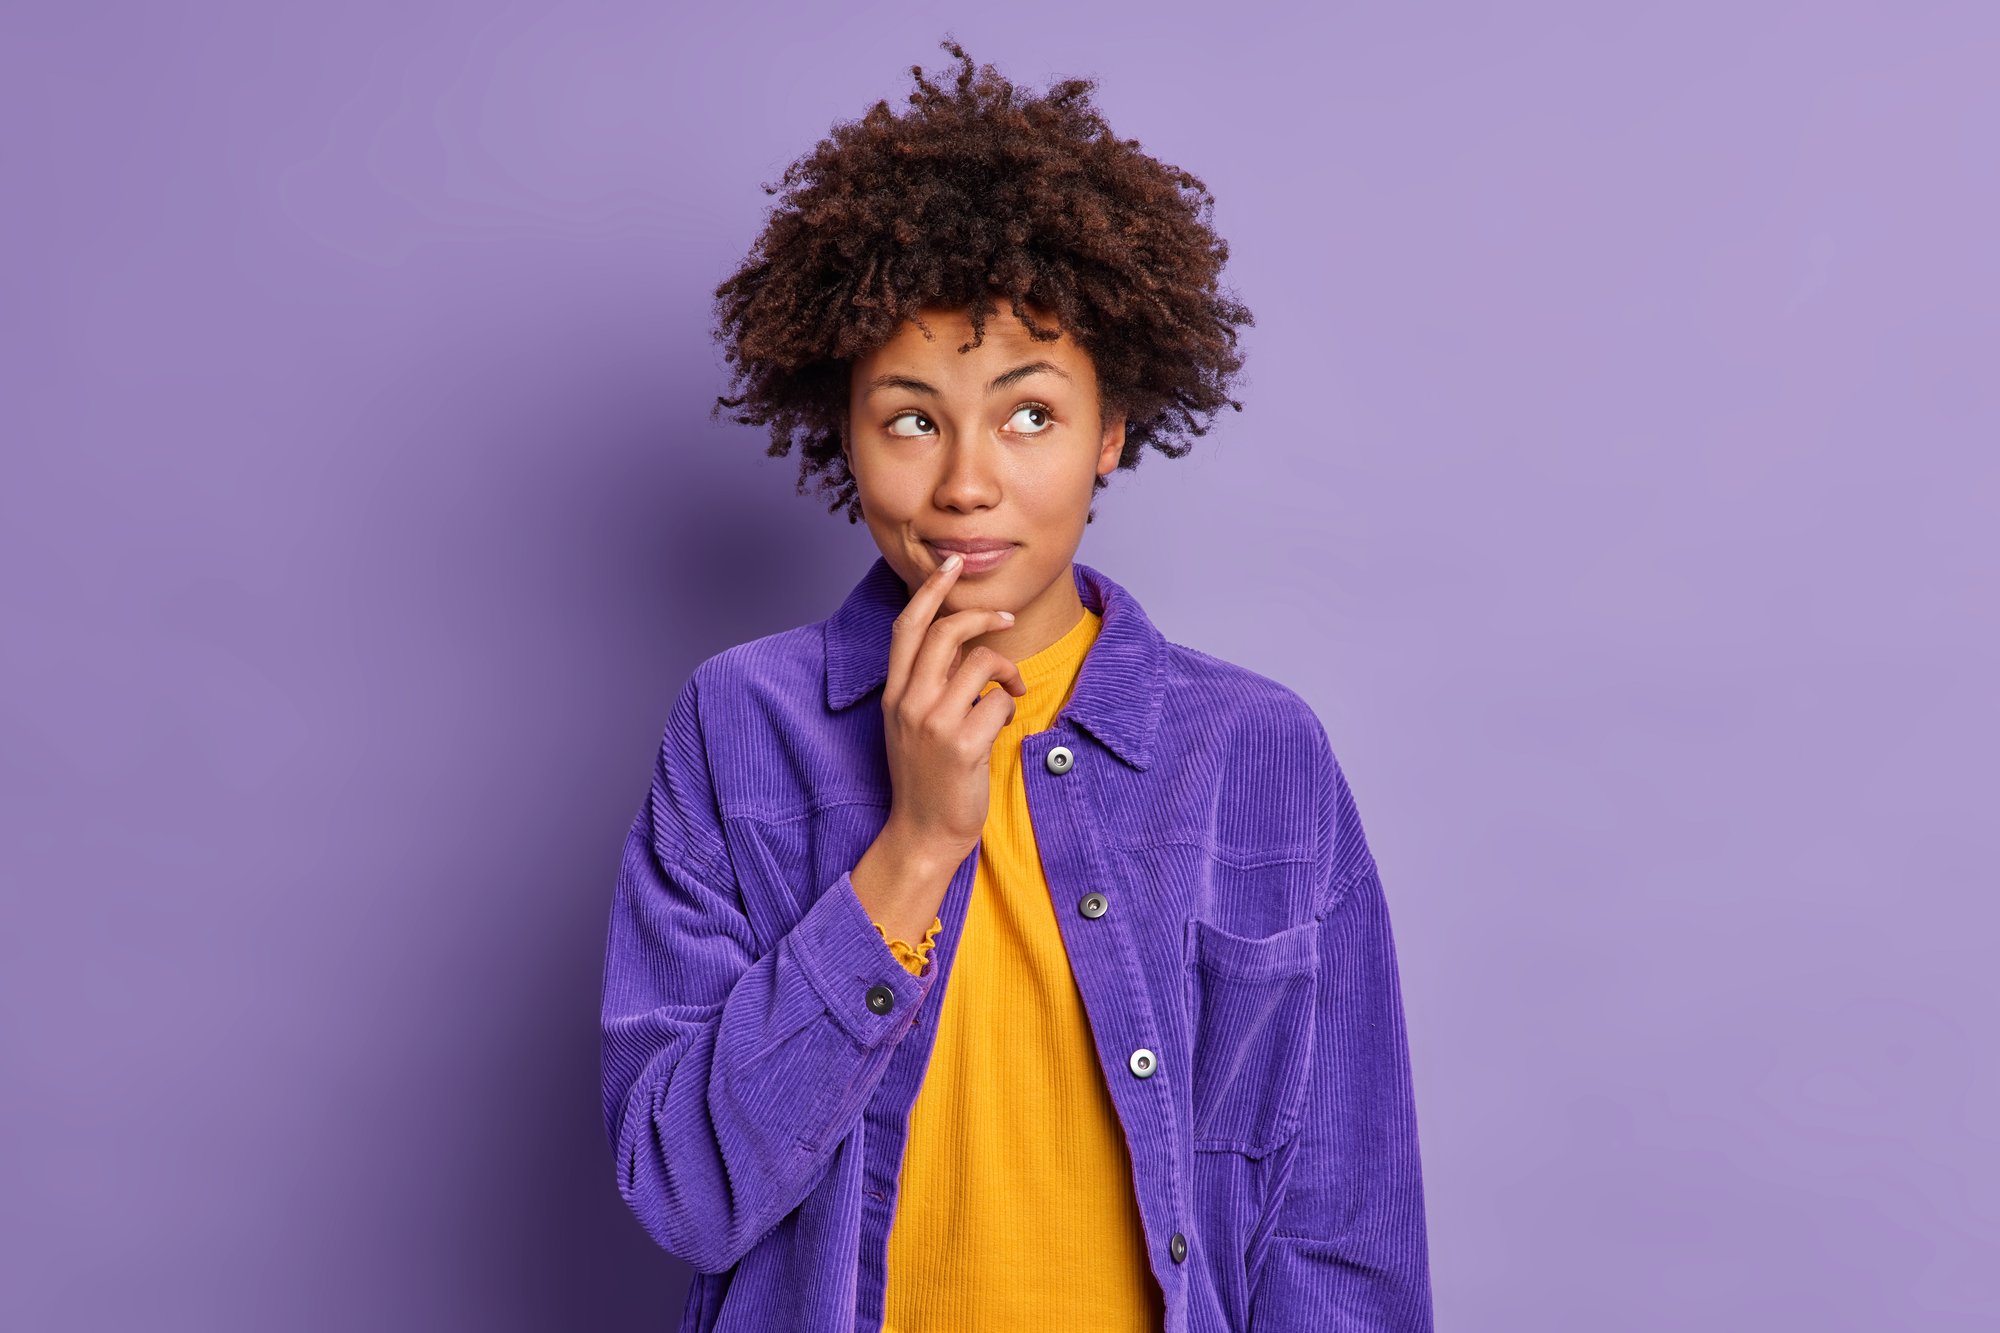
x=730, y=1073
x=1346, y=1249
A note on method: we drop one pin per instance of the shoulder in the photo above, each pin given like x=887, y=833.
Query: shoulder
x=741, y=718
x=775, y=679
x=735, y=707
x=1203, y=689
x=1270, y=746
x=786, y=663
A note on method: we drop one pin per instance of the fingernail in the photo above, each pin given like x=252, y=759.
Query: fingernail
x=951, y=561
x=1006, y=615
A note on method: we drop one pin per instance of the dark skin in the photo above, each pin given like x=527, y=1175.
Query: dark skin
x=1005, y=440
x=976, y=197
x=977, y=185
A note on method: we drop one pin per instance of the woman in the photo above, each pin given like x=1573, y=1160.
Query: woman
x=1168, y=1084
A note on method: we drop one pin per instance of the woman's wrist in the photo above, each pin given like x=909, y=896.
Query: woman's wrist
x=901, y=881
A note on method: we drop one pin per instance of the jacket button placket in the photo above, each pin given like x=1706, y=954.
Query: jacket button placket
x=1143, y=1062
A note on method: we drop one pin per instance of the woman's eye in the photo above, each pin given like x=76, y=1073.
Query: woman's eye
x=1038, y=416
x=895, y=421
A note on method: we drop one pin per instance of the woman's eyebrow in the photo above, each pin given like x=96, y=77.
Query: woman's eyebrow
x=910, y=384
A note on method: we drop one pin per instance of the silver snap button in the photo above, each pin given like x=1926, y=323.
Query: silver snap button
x=1059, y=760
x=1143, y=1062
x=1094, y=905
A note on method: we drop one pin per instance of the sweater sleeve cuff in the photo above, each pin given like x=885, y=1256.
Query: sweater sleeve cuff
x=913, y=957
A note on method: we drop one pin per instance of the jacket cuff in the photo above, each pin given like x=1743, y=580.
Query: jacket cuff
x=845, y=957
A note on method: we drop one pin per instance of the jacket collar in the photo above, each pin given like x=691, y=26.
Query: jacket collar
x=1117, y=693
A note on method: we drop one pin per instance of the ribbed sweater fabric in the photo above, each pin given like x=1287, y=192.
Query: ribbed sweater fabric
x=1015, y=1205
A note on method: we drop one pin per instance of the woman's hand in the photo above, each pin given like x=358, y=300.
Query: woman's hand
x=939, y=730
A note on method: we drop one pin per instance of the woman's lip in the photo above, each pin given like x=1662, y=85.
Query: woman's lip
x=976, y=562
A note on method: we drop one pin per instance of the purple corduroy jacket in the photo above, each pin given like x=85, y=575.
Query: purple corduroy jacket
x=1224, y=921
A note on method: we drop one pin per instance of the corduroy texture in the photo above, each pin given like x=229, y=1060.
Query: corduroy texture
x=1241, y=989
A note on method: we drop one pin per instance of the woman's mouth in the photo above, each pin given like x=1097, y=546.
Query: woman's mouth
x=976, y=562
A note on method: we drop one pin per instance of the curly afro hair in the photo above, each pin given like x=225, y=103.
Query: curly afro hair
x=980, y=191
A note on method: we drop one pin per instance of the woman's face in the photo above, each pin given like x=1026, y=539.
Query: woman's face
x=997, y=445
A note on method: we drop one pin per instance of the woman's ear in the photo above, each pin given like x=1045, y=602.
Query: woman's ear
x=1114, y=445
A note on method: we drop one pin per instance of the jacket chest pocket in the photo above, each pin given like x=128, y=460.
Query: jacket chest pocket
x=1252, y=1017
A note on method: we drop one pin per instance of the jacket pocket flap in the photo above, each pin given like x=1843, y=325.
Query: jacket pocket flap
x=1286, y=953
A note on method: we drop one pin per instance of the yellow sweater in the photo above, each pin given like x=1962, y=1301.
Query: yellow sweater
x=1016, y=1208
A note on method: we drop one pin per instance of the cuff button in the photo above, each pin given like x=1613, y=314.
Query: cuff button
x=881, y=999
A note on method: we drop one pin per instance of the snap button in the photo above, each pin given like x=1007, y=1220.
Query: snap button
x=1094, y=905
x=881, y=999
x=1143, y=1062
x=1177, y=1247
x=1059, y=759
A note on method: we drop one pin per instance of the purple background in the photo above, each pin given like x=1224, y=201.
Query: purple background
x=1617, y=479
